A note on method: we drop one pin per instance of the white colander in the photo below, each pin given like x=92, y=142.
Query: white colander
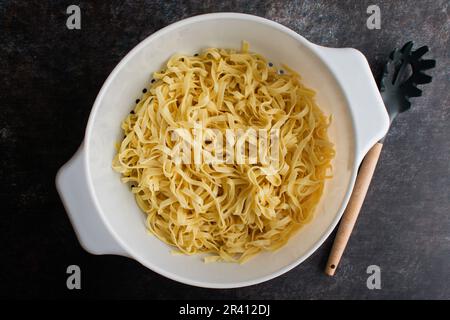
x=103, y=210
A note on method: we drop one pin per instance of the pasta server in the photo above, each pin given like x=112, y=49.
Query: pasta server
x=402, y=73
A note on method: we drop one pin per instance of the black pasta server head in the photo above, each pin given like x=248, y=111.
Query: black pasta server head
x=402, y=73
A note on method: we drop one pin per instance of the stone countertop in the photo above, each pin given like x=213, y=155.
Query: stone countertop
x=50, y=77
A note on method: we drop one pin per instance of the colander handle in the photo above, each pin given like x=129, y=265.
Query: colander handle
x=370, y=118
x=91, y=231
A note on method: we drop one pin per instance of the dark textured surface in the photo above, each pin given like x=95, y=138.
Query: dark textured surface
x=51, y=75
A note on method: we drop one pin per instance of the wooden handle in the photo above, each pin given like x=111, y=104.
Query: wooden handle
x=354, y=206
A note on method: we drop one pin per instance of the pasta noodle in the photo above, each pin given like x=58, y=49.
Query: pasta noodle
x=232, y=211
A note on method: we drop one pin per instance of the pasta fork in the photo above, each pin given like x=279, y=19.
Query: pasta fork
x=402, y=73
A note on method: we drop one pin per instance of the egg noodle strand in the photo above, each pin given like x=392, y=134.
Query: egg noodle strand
x=230, y=211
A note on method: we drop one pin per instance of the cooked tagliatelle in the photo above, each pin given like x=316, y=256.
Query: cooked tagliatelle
x=230, y=211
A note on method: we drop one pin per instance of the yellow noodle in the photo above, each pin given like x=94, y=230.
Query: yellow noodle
x=230, y=211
